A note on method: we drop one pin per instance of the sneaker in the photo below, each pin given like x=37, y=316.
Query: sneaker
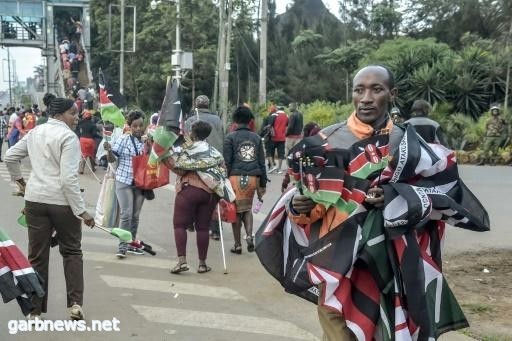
x=121, y=254
x=33, y=318
x=76, y=312
x=272, y=170
x=135, y=251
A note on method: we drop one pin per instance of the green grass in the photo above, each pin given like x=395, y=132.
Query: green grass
x=477, y=308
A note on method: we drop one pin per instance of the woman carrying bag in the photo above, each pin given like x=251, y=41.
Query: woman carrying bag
x=130, y=198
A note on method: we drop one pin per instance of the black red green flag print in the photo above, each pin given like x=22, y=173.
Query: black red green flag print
x=18, y=280
x=380, y=268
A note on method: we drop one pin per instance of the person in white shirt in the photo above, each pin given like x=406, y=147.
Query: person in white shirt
x=53, y=201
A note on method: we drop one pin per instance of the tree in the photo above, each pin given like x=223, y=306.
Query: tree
x=346, y=58
x=147, y=69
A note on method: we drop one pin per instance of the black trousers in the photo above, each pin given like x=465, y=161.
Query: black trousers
x=42, y=220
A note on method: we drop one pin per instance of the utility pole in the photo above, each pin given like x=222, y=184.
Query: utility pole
x=9, y=73
x=221, y=54
x=177, y=69
x=507, y=81
x=262, y=97
x=121, y=58
x=225, y=67
x=220, y=46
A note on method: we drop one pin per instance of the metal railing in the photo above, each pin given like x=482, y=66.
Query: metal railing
x=12, y=29
x=87, y=60
x=59, y=74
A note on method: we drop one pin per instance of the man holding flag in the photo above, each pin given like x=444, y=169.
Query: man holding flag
x=361, y=232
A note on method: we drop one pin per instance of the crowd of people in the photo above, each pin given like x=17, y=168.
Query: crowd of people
x=212, y=165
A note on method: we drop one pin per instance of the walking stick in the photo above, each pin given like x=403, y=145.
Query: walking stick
x=222, y=240
x=90, y=168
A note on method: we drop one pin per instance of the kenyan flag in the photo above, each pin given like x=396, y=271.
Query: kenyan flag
x=110, y=101
x=17, y=278
x=169, y=124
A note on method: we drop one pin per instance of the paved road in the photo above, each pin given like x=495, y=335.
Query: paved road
x=246, y=304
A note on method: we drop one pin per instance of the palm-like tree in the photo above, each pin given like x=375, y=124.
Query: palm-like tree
x=426, y=83
x=468, y=94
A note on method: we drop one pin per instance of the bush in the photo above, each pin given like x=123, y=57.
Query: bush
x=461, y=131
x=325, y=113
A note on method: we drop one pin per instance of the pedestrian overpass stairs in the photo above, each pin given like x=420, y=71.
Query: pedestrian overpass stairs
x=36, y=23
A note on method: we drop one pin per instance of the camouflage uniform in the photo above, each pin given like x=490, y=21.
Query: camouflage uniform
x=495, y=136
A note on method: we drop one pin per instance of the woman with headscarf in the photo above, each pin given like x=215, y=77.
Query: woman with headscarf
x=88, y=131
x=129, y=197
x=245, y=163
x=52, y=199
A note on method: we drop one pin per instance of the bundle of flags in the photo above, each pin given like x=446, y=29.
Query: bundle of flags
x=110, y=102
x=17, y=278
x=170, y=124
x=381, y=269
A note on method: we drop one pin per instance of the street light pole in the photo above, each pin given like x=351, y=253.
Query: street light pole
x=121, y=58
x=177, y=70
x=177, y=52
x=262, y=94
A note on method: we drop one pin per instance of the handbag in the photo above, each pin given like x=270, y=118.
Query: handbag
x=148, y=177
x=107, y=207
x=227, y=211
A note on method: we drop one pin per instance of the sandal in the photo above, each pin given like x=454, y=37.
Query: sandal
x=203, y=268
x=237, y=249
x=179, y=268
x=250, y=244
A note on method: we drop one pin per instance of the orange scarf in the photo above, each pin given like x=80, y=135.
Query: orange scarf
x=362, y=130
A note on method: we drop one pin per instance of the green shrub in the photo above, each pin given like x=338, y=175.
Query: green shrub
x=325, y=113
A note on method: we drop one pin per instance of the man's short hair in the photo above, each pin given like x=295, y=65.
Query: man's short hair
x=242, y=115
x=292, y=106
x=420, y=107
x=202, y=101
x=201, y=129
x=391, y=77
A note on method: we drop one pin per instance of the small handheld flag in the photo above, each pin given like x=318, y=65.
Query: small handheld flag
x=22, y=220
x=171, y=118
x=110, y=101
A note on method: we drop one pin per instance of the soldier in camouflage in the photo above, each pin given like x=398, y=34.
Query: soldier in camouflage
x=496, y=134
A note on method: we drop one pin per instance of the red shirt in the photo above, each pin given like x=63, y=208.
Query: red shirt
x=280, y=124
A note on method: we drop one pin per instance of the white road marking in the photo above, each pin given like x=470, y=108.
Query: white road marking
x=172, y=287
x=222, y=321
x=146, y=261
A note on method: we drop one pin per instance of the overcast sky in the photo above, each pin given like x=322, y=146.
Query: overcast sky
x=27, y=58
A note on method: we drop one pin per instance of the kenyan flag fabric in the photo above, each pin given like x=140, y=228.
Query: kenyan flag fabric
x=380, y=268
x=17, y=278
